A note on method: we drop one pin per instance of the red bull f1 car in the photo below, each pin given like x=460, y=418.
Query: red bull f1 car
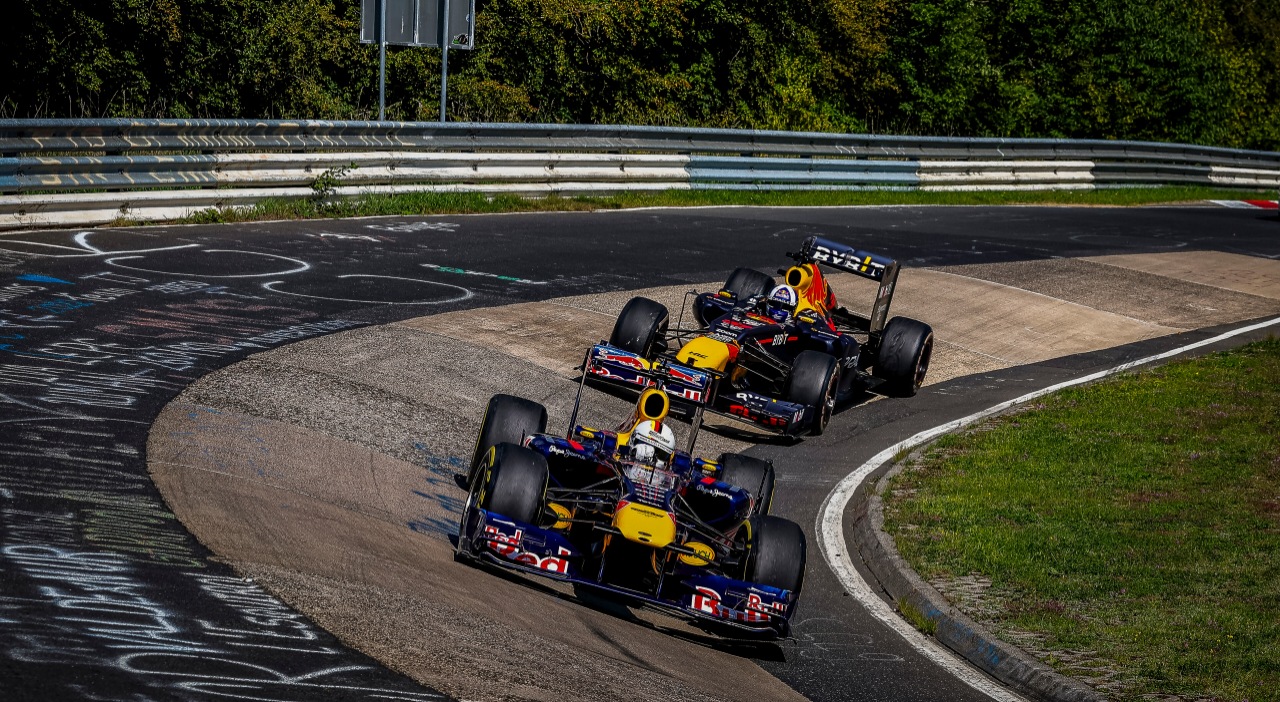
x=628, y=514
x=777, y=356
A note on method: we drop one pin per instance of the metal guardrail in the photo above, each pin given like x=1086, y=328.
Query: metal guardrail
x=79, y=172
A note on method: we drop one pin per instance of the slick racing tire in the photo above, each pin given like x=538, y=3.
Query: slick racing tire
x=641, y=327
x=508, y=419
x=514, y=483
x=751, y=474
x=746, y=283
x=814, y=382
x=777, y=553
x=903, y=359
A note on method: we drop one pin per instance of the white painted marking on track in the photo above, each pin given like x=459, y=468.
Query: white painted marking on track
x=83, y=248
x=836, y=551
x=466, y=294
x=358, y=237
x=83, y=240
x=300, y=266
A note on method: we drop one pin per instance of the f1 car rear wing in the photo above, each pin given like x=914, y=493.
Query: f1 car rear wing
x=846, y=258
x=861, y=263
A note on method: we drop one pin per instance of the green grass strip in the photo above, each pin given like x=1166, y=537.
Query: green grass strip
x=1126, y=532
x=474, y=203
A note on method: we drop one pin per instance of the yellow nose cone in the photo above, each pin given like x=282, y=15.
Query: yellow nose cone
x=702, y=352
x=645, y=525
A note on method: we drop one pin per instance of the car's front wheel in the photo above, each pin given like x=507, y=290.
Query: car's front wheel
x=509, y=419
x=751, y=474
x=776, y=553
x=814, y=381
x=513, y=483
x=641, y=327
x=746, y=283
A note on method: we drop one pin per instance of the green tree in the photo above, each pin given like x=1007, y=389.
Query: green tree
x=1205, y=71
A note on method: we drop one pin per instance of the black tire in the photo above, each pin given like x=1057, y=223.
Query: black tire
x=906, y=346
x=514, y=484
x=509, y=419
x=641, y=327
x=814, y=381
x=748, y=282
x=777, y=553
x=751, y=474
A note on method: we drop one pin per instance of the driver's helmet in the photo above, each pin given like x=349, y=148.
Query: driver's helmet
x=652, y=444
x=782, y=303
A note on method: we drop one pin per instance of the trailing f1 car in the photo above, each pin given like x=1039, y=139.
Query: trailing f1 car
x=782, y=356
x=628, y=513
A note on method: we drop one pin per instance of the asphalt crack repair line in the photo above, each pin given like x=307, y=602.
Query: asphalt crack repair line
x=835, y=549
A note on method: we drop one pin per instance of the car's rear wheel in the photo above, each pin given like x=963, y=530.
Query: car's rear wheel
x=814, y=381
x=513, y=483
x=751, y=474
x=748, y=282
x=641, y=327
x=906, y=346
x=776, y=553
x=509, y=419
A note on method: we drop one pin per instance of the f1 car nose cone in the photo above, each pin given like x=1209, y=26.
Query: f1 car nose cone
x=645, y=525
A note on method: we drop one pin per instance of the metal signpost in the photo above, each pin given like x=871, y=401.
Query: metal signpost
x=417, y=23
x=382, y=60
x=444, y=61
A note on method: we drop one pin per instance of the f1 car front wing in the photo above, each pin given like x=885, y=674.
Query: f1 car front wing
x=703, y=596
x=614, y=365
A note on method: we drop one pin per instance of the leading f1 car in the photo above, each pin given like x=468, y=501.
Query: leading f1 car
x=627, y=513
x=778, y=356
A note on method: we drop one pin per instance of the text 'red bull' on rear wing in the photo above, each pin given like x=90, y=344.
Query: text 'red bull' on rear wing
x=861, y=263
x=692, y=387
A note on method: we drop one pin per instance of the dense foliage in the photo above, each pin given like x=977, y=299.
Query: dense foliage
x=1205, y=71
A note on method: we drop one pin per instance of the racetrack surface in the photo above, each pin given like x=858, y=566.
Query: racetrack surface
x=322, y=469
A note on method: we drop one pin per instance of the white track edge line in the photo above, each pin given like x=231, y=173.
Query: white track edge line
x=835, y=550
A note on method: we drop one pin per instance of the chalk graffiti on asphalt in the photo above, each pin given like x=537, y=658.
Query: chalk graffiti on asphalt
x=458, y=296
x=187, y=287
x=13, y=291
x=81, y=249
x=828, y=639
x=88, y=351
x=411, y=227
x=350, y=237
x=296, y=265
x=103, y=588
x=67, y=386
x=100, y=598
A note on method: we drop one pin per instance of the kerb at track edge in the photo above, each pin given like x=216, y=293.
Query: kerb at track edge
x=835, y=550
